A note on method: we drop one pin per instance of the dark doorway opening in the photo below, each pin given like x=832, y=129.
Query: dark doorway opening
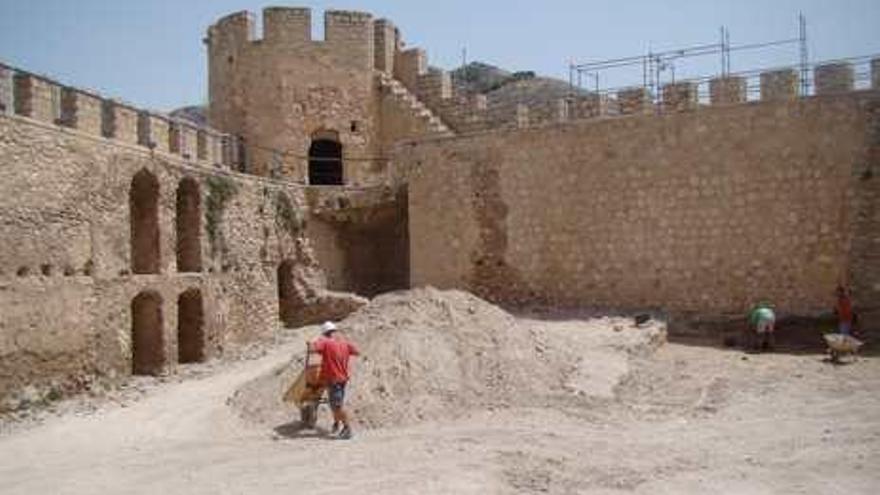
x=144, y=222
x=286, y=294
x=190, y=327
x=147, y=342
x=189, y=248
x=325, y=160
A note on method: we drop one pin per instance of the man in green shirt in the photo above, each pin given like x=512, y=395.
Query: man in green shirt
x=762, y=320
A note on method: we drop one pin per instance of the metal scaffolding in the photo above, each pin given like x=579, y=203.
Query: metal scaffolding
x=656, y=65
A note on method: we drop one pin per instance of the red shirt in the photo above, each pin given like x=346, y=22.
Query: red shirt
x=844, y=309
x=334, y=358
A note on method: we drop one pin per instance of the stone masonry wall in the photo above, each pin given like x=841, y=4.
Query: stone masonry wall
x=703, y=211
x=66, y=282
x=277, y=92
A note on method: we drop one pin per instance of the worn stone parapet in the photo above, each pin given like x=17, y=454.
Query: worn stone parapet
x=409, y=65
x=386, y=38
x=779, y=85
x=434, y=86
x=6, y=106
x=875, y=73
x=833, y=78
x=174, y=137
x=563, y=110
x=286, y=25
x=154, y=131
x=119, y=121
x=204, y=149
x=634, y=101
x=589, y=106
x=680, y=97
x=182, y=139
x=188, y=141
x=522, y=116
x=209, y=147
x=81, y=110
x=36, y=97
x=47, y=101
x=233, y=30
x=729, y=90
x=351, y=32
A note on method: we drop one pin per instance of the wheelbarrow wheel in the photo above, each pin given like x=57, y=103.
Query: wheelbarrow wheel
x=308, y=415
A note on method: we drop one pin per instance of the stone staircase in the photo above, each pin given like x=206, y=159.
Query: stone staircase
x=408, y=100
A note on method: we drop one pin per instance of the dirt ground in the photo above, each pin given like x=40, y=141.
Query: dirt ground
x=622, y=418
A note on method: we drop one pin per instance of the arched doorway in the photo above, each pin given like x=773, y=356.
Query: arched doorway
x=147, y=342
x=190, y=327
x=286, y=293
x=325, y=159
x=143, y=207
x=189, y=248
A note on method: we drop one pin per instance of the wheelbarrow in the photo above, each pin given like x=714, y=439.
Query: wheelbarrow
x=307, y=392
x=841, y=345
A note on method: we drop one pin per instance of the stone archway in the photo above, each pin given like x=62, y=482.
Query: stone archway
x=189, y=247
x=325, y=160
x=190, y=327
x=147, y=338
x=144, y=222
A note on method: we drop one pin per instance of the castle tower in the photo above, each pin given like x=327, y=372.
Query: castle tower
x=292, y=98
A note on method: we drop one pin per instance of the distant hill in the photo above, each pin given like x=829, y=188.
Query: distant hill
x=196, y=114
x=501, y=86
x=477, y=77
x=480, y=77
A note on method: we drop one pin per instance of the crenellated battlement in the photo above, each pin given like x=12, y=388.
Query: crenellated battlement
x=44, y=100
x=472, y=113
x=291, y=26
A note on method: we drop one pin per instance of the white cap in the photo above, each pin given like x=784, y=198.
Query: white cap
x=328, y=327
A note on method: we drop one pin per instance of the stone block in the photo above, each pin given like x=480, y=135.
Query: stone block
x=779, y=85
x=729, y=90
x=6, y=102
x=81, y=110
x=834, y=78
x=154, y=132
x=875, y=73
x=588, y=106
x=37, y=98
x=119, y=121
x=634, y=101
x=409, y=65
x=188, y=141
x=562, y=110
x=435, y=86
x=385, y=45
x=680, y=97
x=287, y=25
x=522, y=116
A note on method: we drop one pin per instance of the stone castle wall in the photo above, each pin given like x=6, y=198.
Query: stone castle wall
x=702, y=212
x=66, y=278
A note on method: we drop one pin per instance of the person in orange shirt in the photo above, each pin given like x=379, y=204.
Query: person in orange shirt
x=844, y=311
x=335, y=353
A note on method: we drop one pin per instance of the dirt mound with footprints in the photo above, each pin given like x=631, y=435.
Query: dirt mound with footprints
x=432, y=355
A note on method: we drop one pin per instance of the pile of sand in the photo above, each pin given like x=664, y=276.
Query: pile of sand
x=430, y=354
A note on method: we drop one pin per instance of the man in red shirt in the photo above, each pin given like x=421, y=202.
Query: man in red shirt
x=844, y=310
x=335, y=353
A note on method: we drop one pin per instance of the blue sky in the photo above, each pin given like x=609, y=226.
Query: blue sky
x=149, y=52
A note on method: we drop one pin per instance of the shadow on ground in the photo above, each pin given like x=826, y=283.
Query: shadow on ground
x=295, y=429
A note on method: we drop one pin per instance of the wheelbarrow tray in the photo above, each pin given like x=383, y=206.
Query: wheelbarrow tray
x=307, y=388
x=841, y=343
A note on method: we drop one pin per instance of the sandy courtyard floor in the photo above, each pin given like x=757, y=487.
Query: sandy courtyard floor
x=685, y=419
